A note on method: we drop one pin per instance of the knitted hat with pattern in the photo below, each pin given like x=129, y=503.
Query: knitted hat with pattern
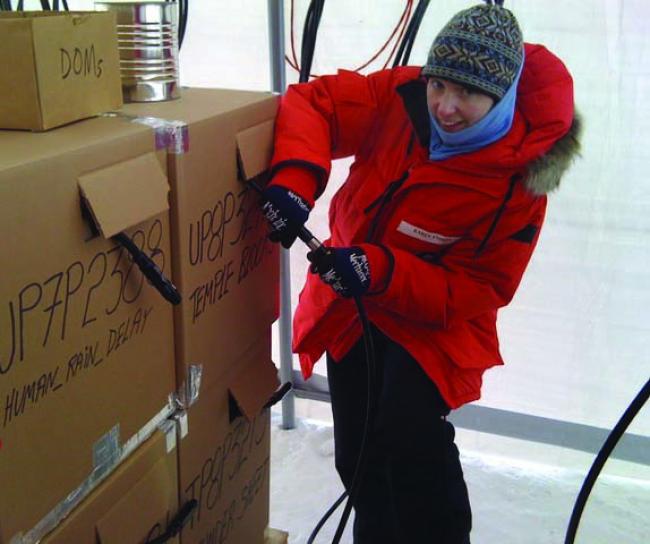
x=481, y=47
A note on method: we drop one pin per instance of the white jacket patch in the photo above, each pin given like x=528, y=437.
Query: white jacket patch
x=432, y=237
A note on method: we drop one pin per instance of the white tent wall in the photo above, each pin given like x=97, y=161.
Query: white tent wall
x=576, y=335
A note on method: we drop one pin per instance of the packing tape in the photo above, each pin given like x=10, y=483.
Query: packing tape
x=188, y=393
x=107, y=455
x=171, y=135
x=174, y=136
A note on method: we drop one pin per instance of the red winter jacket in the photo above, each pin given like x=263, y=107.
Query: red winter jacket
x=460, y=231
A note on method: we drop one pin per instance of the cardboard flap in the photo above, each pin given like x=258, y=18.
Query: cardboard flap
x=253, y=385
x=255, y=148
x=125, y=194
x=137, y=512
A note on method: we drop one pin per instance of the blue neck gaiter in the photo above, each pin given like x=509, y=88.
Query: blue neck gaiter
x=493, y=126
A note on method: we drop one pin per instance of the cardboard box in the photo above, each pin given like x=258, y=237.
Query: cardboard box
x=86, y=345
x=133, y=506
x=58, y=67
x=224, y=265
x=225, y=458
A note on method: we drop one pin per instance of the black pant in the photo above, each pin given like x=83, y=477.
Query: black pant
x=413, y=490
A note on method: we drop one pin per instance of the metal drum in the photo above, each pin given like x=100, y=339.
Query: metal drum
x=148, y=44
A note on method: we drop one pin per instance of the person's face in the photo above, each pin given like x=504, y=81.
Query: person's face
x=454, y=106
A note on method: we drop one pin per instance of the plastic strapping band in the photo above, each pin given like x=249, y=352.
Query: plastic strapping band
x=168, y=428
x=107, y=455
x=182, y=423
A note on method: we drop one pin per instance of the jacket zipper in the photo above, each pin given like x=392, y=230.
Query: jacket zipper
x=382, y=200
x=506, y=198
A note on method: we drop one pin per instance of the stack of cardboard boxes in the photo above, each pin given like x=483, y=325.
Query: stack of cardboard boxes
x=106, y=430
x=228, y=273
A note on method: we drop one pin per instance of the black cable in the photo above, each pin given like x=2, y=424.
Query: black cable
x=179, y=22
x=326, y=516
x=182, y=22
x=405, y=39
x=183, y=9
x=310, y=32
x=404, y=51
x=308, y=41
x=308, y=44
x=315, y=246
x=150, y=269
x=601, y=458
x=177, y=523
x=357, y=479
x=417, y=21
x=402, y=45
x=186, y=16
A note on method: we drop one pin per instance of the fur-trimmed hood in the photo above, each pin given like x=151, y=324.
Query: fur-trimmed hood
x=545, y=138
x=545, y=173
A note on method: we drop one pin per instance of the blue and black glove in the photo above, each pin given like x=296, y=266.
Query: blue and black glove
x=344, y=269
x=286, y=212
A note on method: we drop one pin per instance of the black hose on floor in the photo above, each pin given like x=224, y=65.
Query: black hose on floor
x=601, y=459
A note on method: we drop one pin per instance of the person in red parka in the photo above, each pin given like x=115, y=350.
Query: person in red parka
x=433, y=229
